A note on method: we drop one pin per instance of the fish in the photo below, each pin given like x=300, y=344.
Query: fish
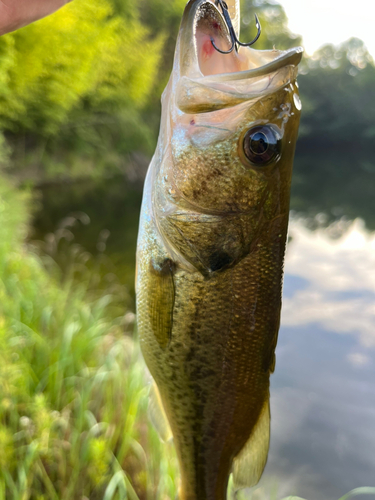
x=210, y=252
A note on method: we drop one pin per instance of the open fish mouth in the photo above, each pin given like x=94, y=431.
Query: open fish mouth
x=212, y=102
x=240, y=75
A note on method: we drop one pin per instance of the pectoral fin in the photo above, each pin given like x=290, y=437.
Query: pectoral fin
x=157, y=414
x=161, y=300
x=248, y=465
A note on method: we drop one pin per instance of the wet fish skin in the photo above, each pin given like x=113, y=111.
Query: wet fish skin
x=210, y=260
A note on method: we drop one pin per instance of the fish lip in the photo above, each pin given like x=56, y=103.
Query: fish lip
x=290, y=57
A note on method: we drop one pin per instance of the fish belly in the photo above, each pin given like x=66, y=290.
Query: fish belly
x=209, y=344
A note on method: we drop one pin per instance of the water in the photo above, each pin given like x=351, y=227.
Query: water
x=323, y=389
x=112, y=207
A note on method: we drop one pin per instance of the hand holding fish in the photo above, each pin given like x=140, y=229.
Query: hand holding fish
x=211, y=248
x=15, y=14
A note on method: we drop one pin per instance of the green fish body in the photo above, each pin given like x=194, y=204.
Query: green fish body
x=211, y=247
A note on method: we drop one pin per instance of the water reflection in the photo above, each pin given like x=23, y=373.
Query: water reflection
x=112, y=206
x=335, y=179
x=323, y=391
x=338, y=280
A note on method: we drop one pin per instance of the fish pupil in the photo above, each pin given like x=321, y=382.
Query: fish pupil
x=258, y=143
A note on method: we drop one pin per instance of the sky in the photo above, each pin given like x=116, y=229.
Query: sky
x=331, y=21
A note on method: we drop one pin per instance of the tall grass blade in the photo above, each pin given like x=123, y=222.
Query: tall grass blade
x=364, y=490
x=116, y=483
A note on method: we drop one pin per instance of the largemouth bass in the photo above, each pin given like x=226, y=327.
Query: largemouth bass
x=211, y=247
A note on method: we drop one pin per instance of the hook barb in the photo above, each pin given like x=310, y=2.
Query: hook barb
x=235, y=41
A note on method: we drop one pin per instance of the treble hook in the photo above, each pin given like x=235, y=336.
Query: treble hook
x=232, y=33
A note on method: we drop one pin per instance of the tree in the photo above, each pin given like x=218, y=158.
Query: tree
x=274, y=22
x=334, y=164
x=82, y=56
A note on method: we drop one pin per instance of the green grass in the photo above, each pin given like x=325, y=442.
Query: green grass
x=73, y=389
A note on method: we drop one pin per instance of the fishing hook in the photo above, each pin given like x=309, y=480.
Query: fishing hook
x=232, y=33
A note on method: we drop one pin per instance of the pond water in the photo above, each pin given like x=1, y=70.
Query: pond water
x=323, y=389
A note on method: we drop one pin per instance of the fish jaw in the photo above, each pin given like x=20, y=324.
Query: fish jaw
x=211, y=247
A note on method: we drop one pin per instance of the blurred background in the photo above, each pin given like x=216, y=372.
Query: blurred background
x=79, y=117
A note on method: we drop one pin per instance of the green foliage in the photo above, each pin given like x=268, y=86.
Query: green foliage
x=81, y=56
x=336, y=88
x=275, y=31
x=334, y=161
x=73, y=391
x=163, y=17
x=71, y=89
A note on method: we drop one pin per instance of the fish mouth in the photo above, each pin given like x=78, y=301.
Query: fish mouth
x=202, y=24
x=240, y=75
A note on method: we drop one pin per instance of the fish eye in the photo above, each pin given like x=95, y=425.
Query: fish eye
x=261, y=145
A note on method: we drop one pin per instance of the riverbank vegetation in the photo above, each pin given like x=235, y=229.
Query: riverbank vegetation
x=73, y=400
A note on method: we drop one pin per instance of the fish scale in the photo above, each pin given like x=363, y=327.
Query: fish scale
x=210, y=253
